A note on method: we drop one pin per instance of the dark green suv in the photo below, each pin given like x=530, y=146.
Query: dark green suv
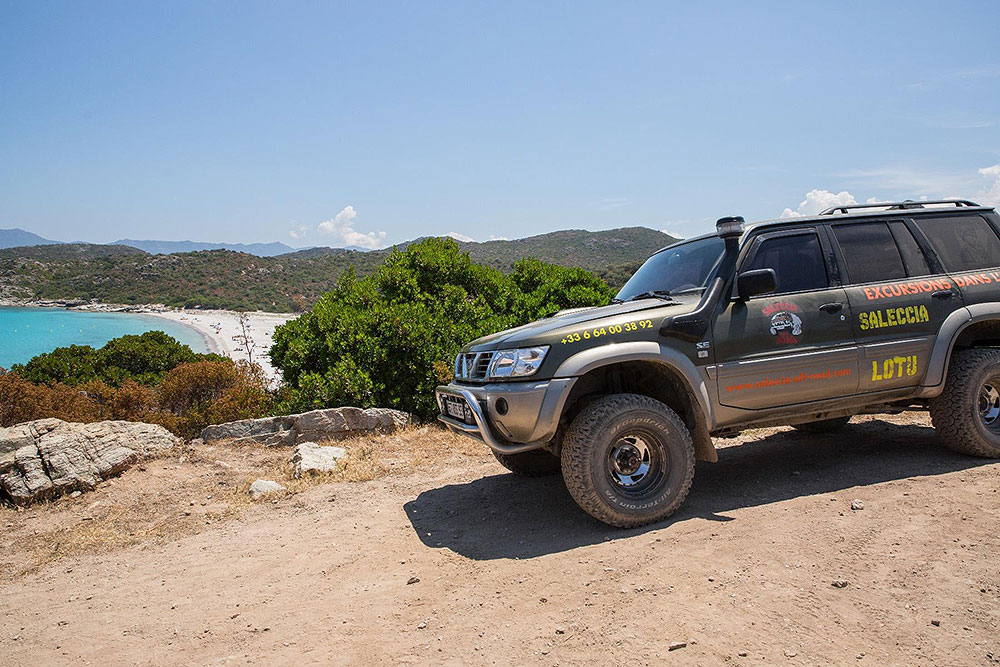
x=801, y=321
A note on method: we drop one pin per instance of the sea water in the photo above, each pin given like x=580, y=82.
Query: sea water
x=26, y=332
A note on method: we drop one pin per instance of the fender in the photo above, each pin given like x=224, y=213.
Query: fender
x=587, y=360
x=951, y=329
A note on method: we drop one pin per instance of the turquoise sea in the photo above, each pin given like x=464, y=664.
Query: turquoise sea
x=25, y=332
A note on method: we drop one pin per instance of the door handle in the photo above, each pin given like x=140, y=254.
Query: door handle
x=831, y=307
x=942, y=294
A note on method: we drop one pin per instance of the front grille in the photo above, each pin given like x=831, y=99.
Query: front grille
x=473, y=365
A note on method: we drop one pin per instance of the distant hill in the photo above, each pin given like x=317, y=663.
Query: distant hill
x=12, y=238
x=288, y=282
x=171, y=247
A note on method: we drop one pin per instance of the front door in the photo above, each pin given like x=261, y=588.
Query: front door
x=794, y=345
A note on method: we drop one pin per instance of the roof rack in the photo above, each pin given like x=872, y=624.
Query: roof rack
x=900, y=205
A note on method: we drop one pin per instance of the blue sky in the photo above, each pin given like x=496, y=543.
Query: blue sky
x=372, y=123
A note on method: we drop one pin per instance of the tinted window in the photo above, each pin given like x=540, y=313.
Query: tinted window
x=962, y=242
x=797, y=262
x=870, y=252
x=913, y=256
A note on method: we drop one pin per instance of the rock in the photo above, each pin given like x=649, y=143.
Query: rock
x=412, y=580
x=263, y=487
x=839, y=583
x=54, y=457
x=742, y=654
x=308, y=457
x=673, y=646
x=857, y=505
x=936, y=623
x=222, y=464
x=328, y=424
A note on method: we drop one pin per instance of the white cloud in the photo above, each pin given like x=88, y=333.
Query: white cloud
x=676, y=235
x=341, y=227
x=461, y=237
x=498, y=238
x=299, y=232
x=818, y=200
x=991, y=195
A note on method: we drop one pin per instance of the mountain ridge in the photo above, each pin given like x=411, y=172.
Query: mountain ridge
x=283, y=283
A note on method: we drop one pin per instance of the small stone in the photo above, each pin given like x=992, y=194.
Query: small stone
x=742, y=654
x=543, y=600
x=223, y=464
x=421, y=625
x=412, y=580
x=560, y=631
x=857, y=505
x=839, y=583
x=936, y=623
x=76, y=494
x=263, y=487
x=673, y=646
x=790, y=654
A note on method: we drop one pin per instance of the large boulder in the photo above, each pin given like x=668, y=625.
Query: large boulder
x=49, y=457
x=329, y=424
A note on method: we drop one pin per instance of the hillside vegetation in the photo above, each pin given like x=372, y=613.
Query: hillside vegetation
x=284, y=283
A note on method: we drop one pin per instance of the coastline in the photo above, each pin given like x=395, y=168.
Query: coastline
x=216, y=328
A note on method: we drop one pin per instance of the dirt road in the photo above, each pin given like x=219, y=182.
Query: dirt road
x=470, y=565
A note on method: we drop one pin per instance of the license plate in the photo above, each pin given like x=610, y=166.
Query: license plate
x=455, y=407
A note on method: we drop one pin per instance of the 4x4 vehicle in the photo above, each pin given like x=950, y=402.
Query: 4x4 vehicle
x=803, y=321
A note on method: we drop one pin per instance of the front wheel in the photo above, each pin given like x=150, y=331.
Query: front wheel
x=628, y=460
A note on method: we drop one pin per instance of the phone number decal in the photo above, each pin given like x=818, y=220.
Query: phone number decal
x=609, y=330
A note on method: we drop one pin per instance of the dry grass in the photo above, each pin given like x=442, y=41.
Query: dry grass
x=185, y=491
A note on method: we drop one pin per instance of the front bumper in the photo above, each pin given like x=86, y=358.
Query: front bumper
x=530, y=421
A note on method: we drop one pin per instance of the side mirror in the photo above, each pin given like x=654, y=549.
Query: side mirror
x=756, y=282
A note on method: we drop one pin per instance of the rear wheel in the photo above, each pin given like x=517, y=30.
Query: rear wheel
x=628, y=460
x=823, y=425
x=966, y=415
x=536, y=463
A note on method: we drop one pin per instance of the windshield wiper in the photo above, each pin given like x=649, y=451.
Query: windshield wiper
x=652, y=294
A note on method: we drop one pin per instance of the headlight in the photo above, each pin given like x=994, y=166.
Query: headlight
x=517, y=363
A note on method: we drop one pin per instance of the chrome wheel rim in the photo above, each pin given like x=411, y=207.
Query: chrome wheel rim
x=989, y=404
x=634, y=464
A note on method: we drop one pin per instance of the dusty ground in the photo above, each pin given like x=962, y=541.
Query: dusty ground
x=507, y=570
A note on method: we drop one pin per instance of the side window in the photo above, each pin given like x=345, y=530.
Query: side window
x=913, y=256
x=963, y=242
x=870, y=252
x=797, y=261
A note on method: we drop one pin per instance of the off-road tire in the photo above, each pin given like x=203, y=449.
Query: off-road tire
x=822, y=425
x=595, y=435
x=536, y=463
x=955, y=413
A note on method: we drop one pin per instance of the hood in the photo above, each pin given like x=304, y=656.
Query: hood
x=538, y=332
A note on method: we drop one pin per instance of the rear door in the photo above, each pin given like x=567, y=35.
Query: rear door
x=795, y=345
x=899, y=297
x=968, y=248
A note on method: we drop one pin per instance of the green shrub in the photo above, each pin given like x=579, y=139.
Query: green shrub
x=388, y=339
x=144, y=358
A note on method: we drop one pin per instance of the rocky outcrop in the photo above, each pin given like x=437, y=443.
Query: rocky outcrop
x=329, y=424
x=49, y=457
x=309, y=457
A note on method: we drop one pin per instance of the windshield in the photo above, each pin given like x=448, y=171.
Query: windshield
x=685, y=266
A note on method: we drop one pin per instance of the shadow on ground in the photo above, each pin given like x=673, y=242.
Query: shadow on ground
x=506, y=516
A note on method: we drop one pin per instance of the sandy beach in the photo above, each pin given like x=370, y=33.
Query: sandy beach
x=219, y=327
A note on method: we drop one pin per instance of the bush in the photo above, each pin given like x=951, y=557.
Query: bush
x=22, y=401
x=390, y=338
x=211, y=392
x=143, y=358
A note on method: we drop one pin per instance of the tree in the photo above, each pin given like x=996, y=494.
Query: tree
x=387, y=339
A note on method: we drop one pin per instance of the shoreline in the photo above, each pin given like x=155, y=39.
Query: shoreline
x=216, y=328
